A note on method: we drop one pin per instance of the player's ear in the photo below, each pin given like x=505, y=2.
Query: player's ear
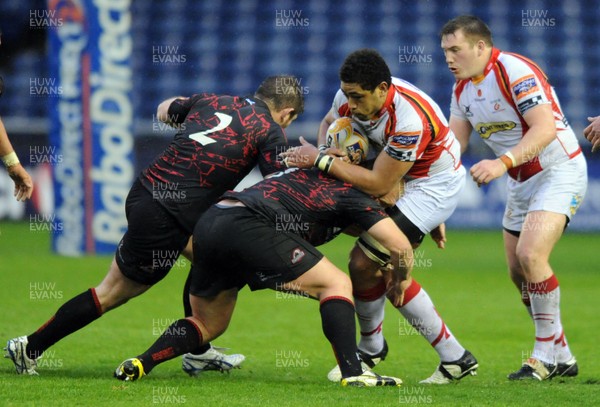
x=480, y=47
x=285, y=116
x=382, y=89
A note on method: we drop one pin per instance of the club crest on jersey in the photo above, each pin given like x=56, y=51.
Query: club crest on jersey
x=524, y=86
x=297, y=255
x=485, y=130
x=403, y=141
x=497, y=106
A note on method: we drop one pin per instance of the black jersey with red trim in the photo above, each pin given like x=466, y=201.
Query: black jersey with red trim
x=311, y=204
x=220, y=140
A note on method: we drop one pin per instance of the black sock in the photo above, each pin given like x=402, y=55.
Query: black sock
x=187, y=309
x=339, y=327
x=180, y=337
x=70, y=317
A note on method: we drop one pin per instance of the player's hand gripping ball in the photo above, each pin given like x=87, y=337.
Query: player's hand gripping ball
x=347, y=135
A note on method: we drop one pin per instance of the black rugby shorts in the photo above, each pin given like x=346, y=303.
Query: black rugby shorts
x=234, y=246
x=153, y=241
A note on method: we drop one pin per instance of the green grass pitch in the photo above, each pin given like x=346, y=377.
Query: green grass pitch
x=287, y=355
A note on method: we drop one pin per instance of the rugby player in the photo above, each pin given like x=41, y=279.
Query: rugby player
x=510, y=103
x=221, y=139
x=415, y=146
x=264, y=237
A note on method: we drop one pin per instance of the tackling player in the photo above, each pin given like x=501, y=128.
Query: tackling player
x=509, y=102
x=284, y=217
x=415, y=146
x=221, y=139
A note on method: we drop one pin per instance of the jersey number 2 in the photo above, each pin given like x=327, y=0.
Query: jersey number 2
x=200, y=137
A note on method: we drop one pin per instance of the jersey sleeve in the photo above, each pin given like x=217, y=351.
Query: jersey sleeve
x=403, y=144
x=527, y=86
x=361, y=209
x=179, y=108
x=340, y=105
x=275, y=143
x=455, y=109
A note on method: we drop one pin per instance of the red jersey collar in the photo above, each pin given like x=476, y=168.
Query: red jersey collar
x=492, y=61
x=388, y=101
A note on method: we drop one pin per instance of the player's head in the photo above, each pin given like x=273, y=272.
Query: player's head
x=467, y=44
x=365, y=80
x=284, y=96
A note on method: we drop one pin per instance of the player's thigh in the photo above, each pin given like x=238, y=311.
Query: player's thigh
x=153, y=240
x=540, y=232
x=366, y=257
x=374, y=254
x=322, y=280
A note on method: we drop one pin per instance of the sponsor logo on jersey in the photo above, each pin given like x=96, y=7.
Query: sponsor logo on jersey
x=524, y=86
x=468, y=112
x=529, y=103
x=497, y=105
x=404, y=141
x=485, y=130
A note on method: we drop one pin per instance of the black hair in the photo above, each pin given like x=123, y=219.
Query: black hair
x=366, y=68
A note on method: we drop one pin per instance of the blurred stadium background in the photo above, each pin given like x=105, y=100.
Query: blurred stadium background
x=170, y=47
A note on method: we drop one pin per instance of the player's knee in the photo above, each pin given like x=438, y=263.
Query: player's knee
x=528, y=258
x=337, y=284
x=116, y=289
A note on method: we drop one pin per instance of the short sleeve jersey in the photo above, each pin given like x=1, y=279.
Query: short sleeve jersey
x=221, y=139
x=409, y=127
x=495, y=105
x=311, y=204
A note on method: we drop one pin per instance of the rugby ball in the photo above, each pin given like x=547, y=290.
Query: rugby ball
x=345, y=134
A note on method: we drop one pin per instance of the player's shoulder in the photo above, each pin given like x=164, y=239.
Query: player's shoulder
x=339, y=98
x=407, y=90
x=220, y=101
x=340, y=104
x=517, y=66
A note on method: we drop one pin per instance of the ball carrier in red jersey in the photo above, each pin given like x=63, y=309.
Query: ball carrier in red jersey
x=264, y=237
x=415, y=147
x=508, y=100
x=221, y=139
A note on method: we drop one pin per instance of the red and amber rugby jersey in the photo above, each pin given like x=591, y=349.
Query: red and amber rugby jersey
x=409, y=127
x=495, y=104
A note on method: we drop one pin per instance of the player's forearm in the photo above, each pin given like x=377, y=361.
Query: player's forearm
x=7, y=153
x=322, y=131
x=323, y=126
x=5, y=145
x=368, y=181
x=531, y=145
